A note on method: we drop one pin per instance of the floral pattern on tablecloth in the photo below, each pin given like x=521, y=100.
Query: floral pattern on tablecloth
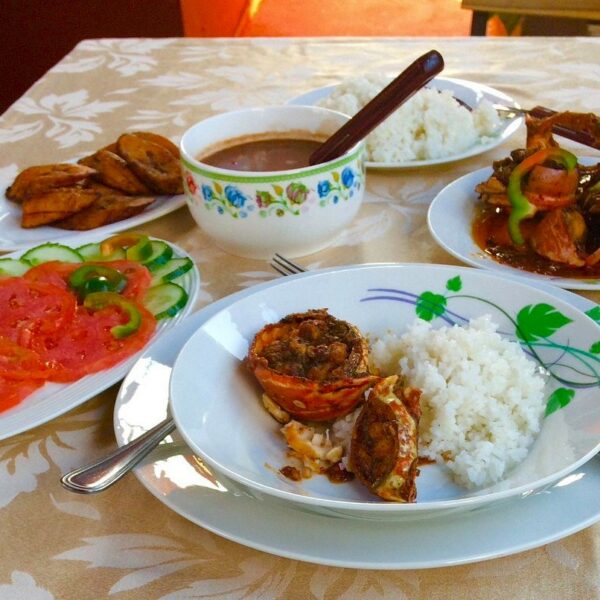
x=126, y=544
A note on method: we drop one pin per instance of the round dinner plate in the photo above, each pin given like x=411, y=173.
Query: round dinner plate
x=211, y=389
x=14, y=237
x=469, y=92
x=177, y=478
x=451, y=214
x=54, y=399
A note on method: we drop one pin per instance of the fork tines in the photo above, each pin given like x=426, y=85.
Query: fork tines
x=284, y=266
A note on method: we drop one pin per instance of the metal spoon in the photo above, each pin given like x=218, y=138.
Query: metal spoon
x=101, y=474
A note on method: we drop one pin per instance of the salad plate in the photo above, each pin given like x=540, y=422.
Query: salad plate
x=54, y=399
x=186, y=485
x=466, y=91
x=208, y=395
x=14, y=237
x=450, y=217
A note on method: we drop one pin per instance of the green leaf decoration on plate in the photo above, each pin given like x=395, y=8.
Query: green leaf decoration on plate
x=559, y=399
x=595, y=348
x=430, y=305
x=594, y=313
x=539, y=321
x=454, y=284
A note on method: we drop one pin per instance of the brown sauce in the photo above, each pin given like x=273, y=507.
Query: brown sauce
x=337, y=474
x=268, y=153
x=489, y=229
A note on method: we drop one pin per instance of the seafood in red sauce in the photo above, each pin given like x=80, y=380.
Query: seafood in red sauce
x=559, y=223
x=384, y=448
x=314, y=366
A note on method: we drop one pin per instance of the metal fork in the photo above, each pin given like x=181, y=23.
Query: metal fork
x=103, y=473
x=284, y=266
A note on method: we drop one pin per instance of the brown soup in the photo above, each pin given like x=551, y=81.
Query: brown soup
x=268, y=152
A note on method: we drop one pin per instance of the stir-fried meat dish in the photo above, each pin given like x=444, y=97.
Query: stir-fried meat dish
x=541, y=208
x=312, y=365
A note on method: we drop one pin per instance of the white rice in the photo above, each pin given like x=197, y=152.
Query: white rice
x=482, y=401
x=429, y=125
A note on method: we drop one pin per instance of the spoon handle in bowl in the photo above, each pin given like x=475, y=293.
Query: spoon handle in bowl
x=411, y=80
x=101, y=474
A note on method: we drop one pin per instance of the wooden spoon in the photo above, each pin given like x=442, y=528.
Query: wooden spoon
x=410, y=81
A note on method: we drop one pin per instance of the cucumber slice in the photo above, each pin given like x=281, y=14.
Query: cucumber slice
x=175, y=268
x=165, y=300
x=50, y=251
x=92, y=252
x=14, y=267
x=161, y=254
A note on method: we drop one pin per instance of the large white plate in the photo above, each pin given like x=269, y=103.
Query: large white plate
x=211, y=389
x=451, y=215
x=14, y=237
x=182, y=482
x=467, y=91
x=54, y=399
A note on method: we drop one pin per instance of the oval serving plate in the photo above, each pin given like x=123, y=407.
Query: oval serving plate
x=216, y=402
x=54, y=399
x=467, y=91
x=450, y=217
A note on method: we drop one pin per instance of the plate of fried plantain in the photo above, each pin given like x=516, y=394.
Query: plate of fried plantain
x=131, y=181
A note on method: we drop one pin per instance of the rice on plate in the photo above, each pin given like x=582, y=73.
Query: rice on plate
x=482, y=398
x=430, y=125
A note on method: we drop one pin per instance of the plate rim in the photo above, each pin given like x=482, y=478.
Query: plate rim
x=509, y=130
x=380, y=508
x=436, y=208
x=114, y=374
x=285, y=546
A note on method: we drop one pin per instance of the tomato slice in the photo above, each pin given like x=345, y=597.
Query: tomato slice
x=32, y=308
x=88, y=346
x=14, y=391
x=18, y=363
x=57, y=273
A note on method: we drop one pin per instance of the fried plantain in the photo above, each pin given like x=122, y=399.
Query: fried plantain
x=160, y=140
x=107, y=209
x=54, y=205
x=152, y=163
x=42, y=178
x=114, y=172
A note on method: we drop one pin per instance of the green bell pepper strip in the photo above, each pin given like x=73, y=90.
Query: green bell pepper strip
x=522, y=208
x=99, y=300
x=96, y=278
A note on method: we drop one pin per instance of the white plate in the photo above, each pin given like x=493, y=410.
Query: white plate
x=183, y=483
x=14, y=237
x=467, y=91
x=451, y=214
x=209, y=395
x=54, y=399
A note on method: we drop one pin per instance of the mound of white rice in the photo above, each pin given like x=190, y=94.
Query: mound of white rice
x=429, y=125
x=482, y=401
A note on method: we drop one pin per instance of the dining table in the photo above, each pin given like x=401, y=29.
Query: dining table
x=158, y=535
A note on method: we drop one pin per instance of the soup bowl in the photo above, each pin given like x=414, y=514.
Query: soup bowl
x=257, y=213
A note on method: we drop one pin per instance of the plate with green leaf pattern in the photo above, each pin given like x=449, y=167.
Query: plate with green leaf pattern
x=218, y=394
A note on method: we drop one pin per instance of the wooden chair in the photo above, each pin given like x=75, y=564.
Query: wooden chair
x=573, y=14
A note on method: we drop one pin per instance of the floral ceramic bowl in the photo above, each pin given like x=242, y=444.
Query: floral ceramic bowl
x=255, y=214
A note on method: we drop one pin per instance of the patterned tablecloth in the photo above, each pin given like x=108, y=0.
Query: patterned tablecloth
x=124, y=542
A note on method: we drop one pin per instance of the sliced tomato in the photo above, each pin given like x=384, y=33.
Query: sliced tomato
x=88, y=346
x=57, y=273
x=18, y=363
x=32, y=308
x=14, y=391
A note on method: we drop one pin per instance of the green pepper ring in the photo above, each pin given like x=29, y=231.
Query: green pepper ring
x=96, y=278
x=521, y=206
x=99, y=300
